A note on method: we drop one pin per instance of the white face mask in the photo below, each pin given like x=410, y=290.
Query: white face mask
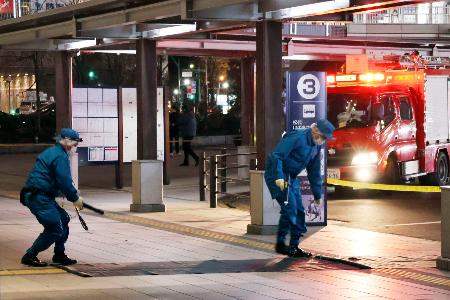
x=319, y=141
x=73, y=150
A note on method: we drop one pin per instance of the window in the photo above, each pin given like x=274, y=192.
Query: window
x=405, y=109
x=389, y=109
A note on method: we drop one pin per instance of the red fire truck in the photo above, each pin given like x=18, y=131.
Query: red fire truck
x=391, y=126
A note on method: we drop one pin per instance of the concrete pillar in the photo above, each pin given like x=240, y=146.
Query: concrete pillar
x=63, y=95
x=269, y=80
x=147, y=179
x=147, y=182
x=443, y=261
x=146, y=73
x=248, y=101
x=264, y=211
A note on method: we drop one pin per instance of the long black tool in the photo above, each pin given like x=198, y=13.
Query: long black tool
x=94, y=209
x=83, y=223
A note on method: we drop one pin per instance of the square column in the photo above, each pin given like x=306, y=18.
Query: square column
x=147, y=179
x=269, y=81
x=248, y=101
x=63, y=95
x=146, y=63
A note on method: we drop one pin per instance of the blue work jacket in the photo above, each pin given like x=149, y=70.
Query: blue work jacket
x=51, y=174
x=295, y=152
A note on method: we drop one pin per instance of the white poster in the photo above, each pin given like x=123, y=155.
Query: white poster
x=95, y=109
x=111, y=139
x=96, y=154
x=79, y=95
x=96, y=139
x=95, y=95
x=80, y=124
x=111, y=153
x=79, y=110
x=111, y=125
x=95, y=125
x=109, y=111
x=94, y=112
x=110, y=96
x=129, y=110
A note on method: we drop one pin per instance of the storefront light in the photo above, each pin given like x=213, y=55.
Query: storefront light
x=365, y=158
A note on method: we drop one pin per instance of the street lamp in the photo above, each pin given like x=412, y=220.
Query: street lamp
x=176, y=92
x=225, y=85
x=221, y=77
x=191, y=66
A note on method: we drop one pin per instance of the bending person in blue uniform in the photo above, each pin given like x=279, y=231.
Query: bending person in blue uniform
x=297, y=150
x=51, y=176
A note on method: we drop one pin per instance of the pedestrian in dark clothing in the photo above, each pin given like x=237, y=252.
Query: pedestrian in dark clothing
x=174, y=132
x=188, y=130
x=50, y=177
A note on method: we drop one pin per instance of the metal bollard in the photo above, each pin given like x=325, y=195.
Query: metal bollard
x=201, y=176
x=223, y=171
x=213, y=181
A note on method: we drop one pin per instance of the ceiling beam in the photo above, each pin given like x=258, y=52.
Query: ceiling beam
x=159, y=10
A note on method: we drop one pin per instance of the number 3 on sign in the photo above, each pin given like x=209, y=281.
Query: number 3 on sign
x=308, y=86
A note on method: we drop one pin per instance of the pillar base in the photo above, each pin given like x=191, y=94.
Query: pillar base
x=262, y=229
x=443, y=263
x=147, y=208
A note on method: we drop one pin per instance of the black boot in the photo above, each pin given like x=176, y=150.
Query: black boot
x=32, y=261
x=62, y=259
x=281, y=248
x=298, y=252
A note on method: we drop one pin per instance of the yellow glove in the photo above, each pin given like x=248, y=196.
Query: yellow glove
x=280, y=183
x=79, y=203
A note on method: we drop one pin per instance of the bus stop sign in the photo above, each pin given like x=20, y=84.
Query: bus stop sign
x=306, y=103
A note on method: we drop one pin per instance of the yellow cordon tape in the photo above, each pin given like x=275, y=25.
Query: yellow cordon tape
x=384, y=187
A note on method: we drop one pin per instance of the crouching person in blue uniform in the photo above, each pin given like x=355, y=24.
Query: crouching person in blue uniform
x=297, y=150
x=51, y=176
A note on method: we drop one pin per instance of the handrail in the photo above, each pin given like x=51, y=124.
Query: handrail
x=217, y=173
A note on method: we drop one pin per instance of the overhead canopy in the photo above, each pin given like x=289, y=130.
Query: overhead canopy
x=112, y=22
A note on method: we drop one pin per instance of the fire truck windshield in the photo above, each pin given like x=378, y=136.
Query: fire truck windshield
x=350, y=110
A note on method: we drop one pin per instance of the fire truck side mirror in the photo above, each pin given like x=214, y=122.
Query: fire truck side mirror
x=378, y=111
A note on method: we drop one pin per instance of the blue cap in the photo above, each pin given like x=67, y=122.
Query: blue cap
x=326, y=128
x=69, y=133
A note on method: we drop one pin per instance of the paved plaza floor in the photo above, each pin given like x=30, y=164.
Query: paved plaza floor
x=194, y=252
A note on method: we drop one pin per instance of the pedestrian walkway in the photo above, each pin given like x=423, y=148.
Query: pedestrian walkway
x=195, y=252
x=141, y=262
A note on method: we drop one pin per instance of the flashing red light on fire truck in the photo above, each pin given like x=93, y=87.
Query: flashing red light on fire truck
x=367, y=78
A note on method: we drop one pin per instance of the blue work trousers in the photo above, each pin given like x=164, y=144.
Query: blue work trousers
x=55, y=221
x=292, y=214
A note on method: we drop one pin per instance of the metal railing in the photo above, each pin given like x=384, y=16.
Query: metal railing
x=215, y=168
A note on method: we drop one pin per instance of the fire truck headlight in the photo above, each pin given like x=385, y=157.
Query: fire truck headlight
x=364, y=175
x=365, y=158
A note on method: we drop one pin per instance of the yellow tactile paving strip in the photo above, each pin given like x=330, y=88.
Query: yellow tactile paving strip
x=191, y=231
x=415, y=276
x=37, y=271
